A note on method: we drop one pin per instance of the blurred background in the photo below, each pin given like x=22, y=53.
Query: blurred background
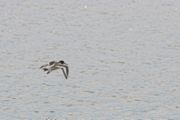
x=123, y=57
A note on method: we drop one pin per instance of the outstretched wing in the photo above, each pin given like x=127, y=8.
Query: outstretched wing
x=43, y=66
x=52, y=63
x=64, y=66
x=67, y=71
x=65, y=75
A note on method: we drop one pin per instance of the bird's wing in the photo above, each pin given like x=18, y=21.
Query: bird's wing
x=62, y=66
x=67, y=69
x=43, y=66
x=65, y=75
x=52, y=63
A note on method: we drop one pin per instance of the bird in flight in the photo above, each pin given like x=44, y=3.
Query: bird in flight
x=54, y=65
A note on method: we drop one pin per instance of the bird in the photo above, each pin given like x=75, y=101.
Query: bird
x=55, y=65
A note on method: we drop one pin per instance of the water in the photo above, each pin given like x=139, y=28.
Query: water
x=123, y=58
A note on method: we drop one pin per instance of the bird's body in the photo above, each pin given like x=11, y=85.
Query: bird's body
x=54, y=65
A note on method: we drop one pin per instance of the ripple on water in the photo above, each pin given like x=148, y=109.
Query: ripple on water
x=88, y=91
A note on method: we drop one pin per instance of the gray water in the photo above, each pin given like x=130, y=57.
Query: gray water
x=123, y=55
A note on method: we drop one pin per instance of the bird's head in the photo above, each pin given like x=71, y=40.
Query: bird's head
x=61, y=61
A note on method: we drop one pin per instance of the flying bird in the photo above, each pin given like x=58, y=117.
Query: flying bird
x=54, y=65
